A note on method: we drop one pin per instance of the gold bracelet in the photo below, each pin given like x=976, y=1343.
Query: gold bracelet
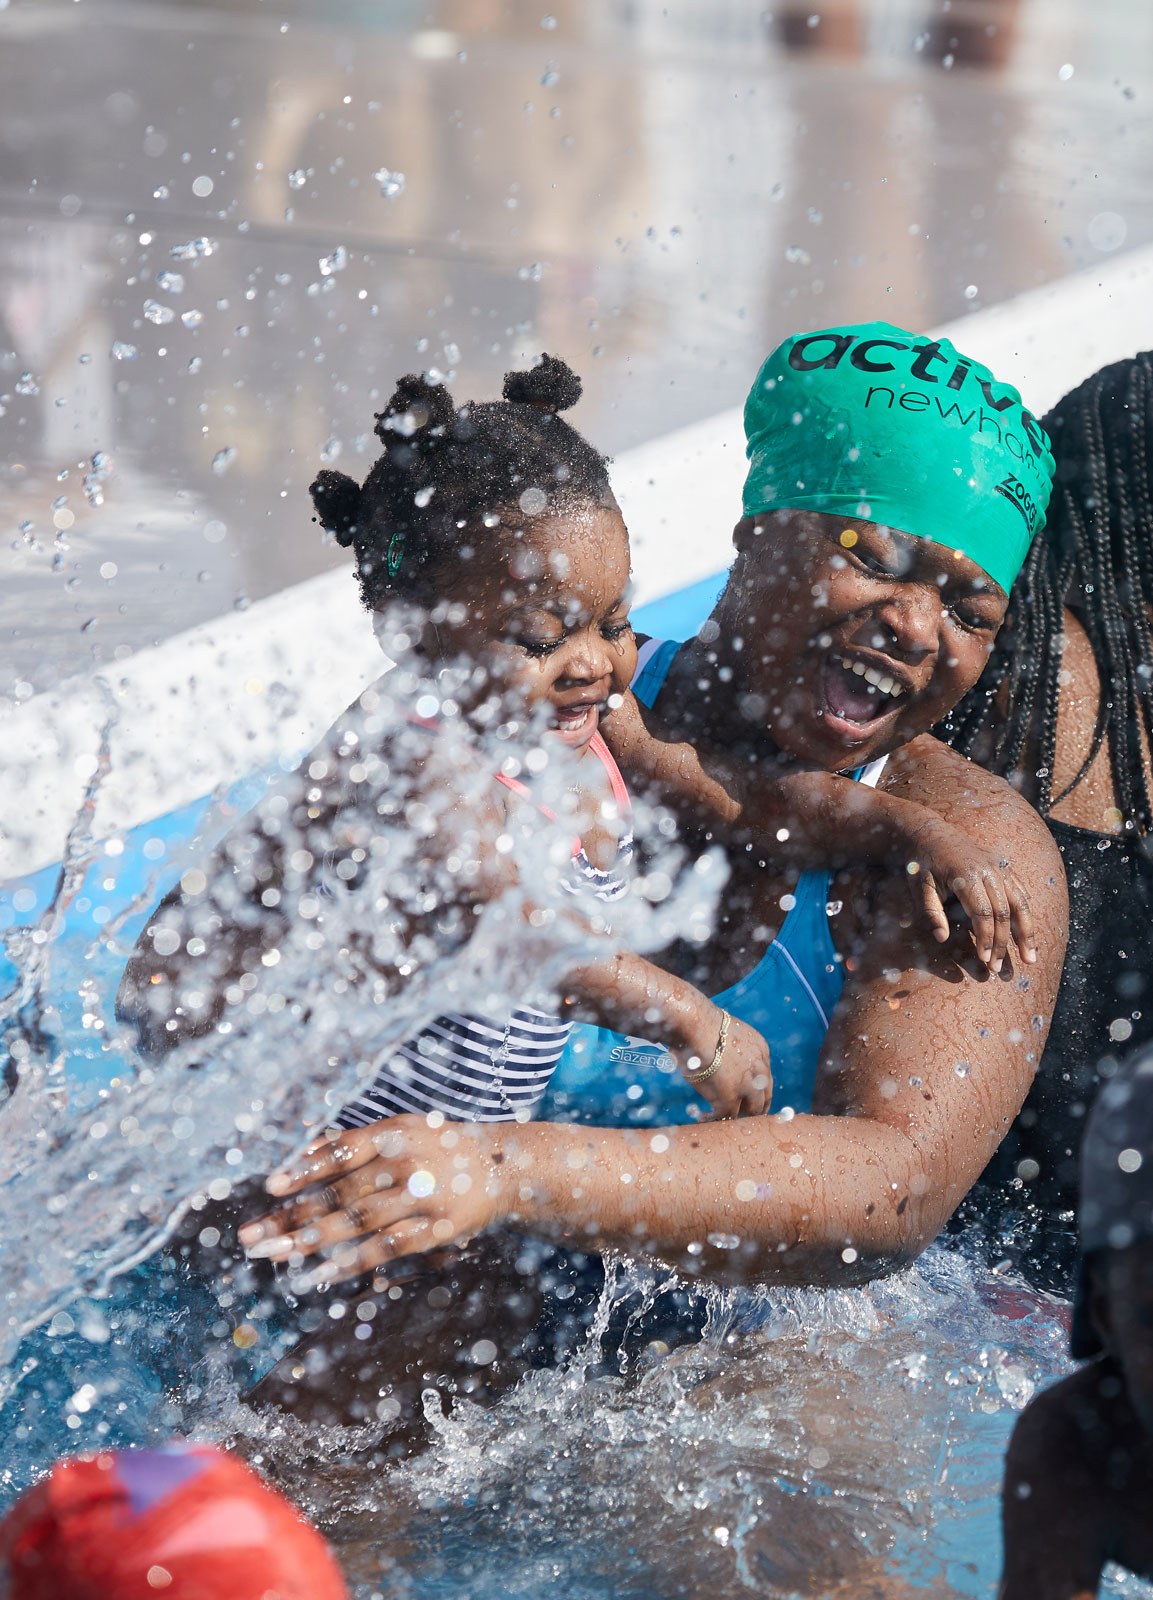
x=714, y=1065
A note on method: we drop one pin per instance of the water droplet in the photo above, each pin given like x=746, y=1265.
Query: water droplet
x=157, y=313
x=297, y=178
x=26, y=384
x=971, y=291
x=194, y=249
x=531, y=273
x=121, y=351
x=336, y=262
x=170, y=282
x=1107, y=231
x=391, y=183
x=1066, y=71
x=223, y=459
x=331, y=451
x=549, y=77
x=203, y=186
x=192, y=319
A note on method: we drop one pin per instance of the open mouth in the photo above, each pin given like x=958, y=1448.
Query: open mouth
x=577, y=723
x=859, y=695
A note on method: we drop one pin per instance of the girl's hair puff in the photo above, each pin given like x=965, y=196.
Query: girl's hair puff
x=448, y=474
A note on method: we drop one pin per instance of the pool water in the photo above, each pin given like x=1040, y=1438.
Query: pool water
x=815, y=1442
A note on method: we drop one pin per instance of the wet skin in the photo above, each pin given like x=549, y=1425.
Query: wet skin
x=1079, y=1474
x=543, y=609
x=809, y=593
x=927, y=1059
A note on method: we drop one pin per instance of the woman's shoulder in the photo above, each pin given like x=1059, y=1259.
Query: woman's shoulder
x=973, y=799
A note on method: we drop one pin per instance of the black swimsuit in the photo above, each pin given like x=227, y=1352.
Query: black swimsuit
x=1024, y=1204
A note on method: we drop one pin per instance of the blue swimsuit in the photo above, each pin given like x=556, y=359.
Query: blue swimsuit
x=788, y=997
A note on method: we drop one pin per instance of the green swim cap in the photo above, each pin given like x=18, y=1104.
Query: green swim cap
x=872, y=421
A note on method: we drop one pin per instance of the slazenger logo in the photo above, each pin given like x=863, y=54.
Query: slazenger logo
x=1017, y=494
x=637, y=1053
x=816, y=351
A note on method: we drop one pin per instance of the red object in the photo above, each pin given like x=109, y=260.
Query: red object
x=179, y=1524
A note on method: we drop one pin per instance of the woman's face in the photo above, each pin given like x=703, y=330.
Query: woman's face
x=543, y=607
x=847, y=639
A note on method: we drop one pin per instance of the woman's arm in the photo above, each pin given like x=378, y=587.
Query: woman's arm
x=926, y=1064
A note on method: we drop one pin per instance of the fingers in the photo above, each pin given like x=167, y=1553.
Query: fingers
x=1022, y=918
x=360, y=1216
x=986, y=904
x=332, y=1156
x=1002, y=923
x=928, y=897
x=286, y=1219
x=411, y=1236
x=748, y=1097
x=976, y=906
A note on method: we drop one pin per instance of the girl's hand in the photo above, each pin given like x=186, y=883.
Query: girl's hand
x=943, y=860
x=742, y=1085
x=371, y=1195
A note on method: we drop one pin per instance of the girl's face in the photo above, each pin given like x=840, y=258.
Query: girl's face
x=854, y=637
x=543, y=606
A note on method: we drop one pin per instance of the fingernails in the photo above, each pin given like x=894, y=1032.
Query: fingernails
x=279, y=1183
x=1031, y=957
x=270, y=1249
x=252, y=1233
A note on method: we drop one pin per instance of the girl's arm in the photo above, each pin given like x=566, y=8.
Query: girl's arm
x=630, y=995
x=812, y=819
x=206, y=947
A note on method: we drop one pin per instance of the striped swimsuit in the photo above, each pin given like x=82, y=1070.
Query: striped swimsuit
x=484, y=1069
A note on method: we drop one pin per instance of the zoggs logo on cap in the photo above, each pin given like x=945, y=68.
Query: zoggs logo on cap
x=925, y=362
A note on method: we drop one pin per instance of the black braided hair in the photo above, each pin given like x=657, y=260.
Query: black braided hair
x=1096, y=557
x=448, y=474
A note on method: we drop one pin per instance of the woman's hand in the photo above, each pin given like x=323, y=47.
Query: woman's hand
x=742, y=1085
x=942, y=860
x=372, y=1195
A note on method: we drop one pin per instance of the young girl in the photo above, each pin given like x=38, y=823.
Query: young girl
x=488, y=542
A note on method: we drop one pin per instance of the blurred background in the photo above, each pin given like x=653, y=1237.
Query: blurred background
x=226, y=226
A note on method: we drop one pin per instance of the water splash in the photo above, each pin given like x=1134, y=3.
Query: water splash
x=277, y=1043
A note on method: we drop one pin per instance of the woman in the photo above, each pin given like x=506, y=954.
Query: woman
x=852, y=621
x=1079, y=619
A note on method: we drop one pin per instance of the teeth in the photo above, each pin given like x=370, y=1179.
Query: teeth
x=876, y=680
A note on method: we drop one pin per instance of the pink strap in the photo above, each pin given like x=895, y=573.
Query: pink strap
x=616, y=783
